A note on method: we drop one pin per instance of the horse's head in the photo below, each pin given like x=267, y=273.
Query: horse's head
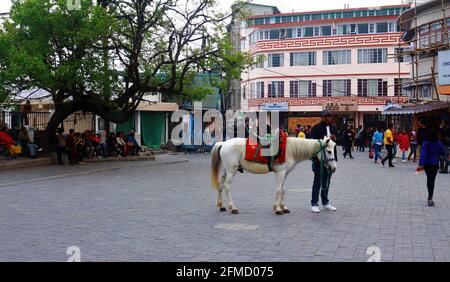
x=329, y=158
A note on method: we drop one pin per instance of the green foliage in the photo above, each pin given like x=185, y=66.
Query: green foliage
x=115, y=53
x=47, y=46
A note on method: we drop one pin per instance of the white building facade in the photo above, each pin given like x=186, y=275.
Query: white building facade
x=343, y=60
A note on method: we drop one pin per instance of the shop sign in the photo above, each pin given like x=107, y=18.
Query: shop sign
x=444, y=67
x=341, y=107
x=282, y=107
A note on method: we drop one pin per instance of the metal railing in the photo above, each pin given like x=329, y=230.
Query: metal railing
x=15, y=120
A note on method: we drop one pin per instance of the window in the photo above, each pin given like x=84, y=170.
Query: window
x=316, y=31
x=348, y=14
x=341, y=87
x=304, y=88
x=287, y=19
x=282, y=33
x=260, y=89
x=337, y=57
x=276, y=89
x=259, y=61
x=382, y=27
x=400, y=55
x=342, y=29
x=326, y=30
x=372, y=87
x=425, y=92
x=289, y=33
x=316, y=16
x=363, y=28
x=392, y=27
x=276, y=60
x=371, y=28
x=398, y=89
x=244, y=90
x=275, y=34
x=259, y=21
x=308, y=32
x=353, y=29
x=334, y=31
x=303, y=59
x=372, y=56
x=299, y=32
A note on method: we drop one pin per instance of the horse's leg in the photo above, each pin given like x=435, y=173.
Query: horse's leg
x=227, y=185
x=280, y=177
x=219, y=193
x=283, y=193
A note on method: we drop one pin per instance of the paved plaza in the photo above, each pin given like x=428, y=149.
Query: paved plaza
x=165, y=211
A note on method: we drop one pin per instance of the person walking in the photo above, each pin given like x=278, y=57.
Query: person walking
x=389, y=143
x=361, y=139
x=430, y=153
x=60, y=146
x=321, y=183
x=348, y=137
x=403, y=143
x=413, y=144
x=377, y=142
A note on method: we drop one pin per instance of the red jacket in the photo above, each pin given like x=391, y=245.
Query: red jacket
x=403, y=141
x=6, y=139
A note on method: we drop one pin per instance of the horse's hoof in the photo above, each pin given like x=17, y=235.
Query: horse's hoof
x=278, y=212
x=235, y=211
x=286, y=211
x=222, y=209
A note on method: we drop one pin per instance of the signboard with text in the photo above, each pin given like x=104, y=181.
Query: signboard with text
x=282, y=107
x=341, y=107
x=444, y=67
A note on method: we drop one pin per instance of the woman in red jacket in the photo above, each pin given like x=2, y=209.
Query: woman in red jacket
x=403, y=142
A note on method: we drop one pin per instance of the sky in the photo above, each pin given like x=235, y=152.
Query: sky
x=287, y=6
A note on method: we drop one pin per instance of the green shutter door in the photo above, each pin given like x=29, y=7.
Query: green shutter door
x=153, y=129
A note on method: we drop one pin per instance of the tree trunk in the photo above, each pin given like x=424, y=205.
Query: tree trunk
x=57, y=118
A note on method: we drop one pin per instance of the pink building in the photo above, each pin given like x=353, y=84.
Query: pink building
x=343, y=60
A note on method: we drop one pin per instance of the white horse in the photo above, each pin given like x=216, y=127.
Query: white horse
x=230, y=154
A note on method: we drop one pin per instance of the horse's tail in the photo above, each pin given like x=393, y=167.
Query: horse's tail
x=215, y=165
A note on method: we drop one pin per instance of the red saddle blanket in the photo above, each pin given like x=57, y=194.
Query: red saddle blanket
x=253, y=152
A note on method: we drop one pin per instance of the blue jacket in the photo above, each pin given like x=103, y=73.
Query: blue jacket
x=378, y=137
x=430, y=153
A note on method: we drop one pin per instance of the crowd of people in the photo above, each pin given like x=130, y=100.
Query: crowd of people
x=79, y=146
x=15, y=145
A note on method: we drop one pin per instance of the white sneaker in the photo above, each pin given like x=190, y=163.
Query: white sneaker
x=315, y=209
x=404, y=161
x=329, y=208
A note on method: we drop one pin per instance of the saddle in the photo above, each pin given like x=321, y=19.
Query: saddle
x=253, y=152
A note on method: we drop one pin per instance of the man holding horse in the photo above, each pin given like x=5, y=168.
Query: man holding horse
x=322, y=176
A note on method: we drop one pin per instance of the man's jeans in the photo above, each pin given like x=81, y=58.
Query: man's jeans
x=316, y=189
x=377, y=149
x=32, y=148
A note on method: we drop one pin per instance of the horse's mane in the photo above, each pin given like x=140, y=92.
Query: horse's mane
x=300, y=148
